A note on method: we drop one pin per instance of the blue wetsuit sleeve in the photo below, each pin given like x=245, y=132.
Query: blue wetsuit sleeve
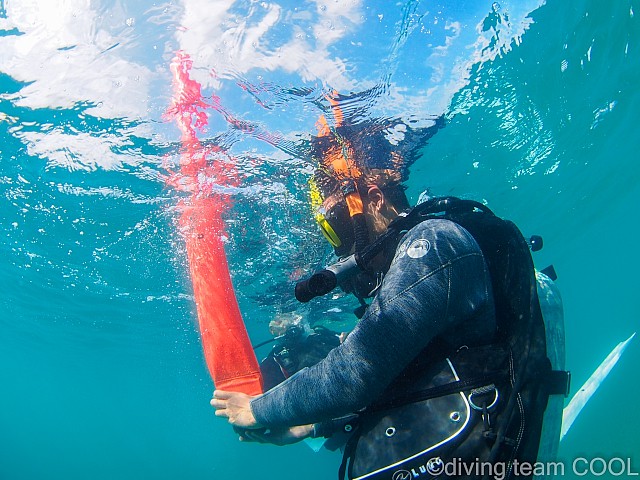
x=437, y=278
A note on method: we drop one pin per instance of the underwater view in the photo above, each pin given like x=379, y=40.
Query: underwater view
x=118, y=117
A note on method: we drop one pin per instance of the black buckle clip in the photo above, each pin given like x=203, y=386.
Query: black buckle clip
x=559, y=382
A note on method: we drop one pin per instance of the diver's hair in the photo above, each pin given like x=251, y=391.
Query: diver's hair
x=387, y=180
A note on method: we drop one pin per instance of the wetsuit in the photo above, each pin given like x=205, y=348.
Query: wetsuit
x=437, y=291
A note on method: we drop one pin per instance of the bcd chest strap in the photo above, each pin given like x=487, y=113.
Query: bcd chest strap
x=556, y=382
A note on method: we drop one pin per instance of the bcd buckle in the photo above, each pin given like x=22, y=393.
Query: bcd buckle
x=482, y=394
x=483, y=391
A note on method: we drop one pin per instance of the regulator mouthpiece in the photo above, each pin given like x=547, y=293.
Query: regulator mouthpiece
x=322, y=282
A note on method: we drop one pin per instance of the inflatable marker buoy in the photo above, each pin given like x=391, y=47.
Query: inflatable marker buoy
x=230, y=358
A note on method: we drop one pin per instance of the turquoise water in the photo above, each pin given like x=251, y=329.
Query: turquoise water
x=101, y=370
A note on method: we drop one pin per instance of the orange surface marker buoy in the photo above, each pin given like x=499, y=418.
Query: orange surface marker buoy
x=227, y=349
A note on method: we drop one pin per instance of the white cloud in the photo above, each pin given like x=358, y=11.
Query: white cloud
x=80, y=150
x=334, y=20
x=68, y=56
x=442, y=50
x=233, y=44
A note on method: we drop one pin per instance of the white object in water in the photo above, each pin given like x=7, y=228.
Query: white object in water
x=580, y=399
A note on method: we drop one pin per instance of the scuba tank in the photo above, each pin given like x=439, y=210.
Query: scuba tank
x=553, y=316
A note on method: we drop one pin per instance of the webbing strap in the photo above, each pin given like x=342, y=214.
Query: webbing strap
x=439, y=391
x=558, y=382
x=349, y=453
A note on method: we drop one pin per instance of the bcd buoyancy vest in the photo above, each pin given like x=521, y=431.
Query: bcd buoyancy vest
x=472, y=411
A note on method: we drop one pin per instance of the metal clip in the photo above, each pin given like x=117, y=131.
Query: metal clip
x=481, y=391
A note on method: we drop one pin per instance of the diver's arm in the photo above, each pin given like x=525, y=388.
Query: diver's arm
x=280, y=437
x=438, y=277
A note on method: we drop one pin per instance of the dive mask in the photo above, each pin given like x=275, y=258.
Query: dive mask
x=337, y=227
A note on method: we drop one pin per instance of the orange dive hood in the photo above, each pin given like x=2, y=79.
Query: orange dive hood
x=337, y=158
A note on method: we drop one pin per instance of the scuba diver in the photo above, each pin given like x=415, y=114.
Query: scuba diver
x=296, y=345
x=448, y=362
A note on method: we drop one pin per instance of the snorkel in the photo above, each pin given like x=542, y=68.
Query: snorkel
x=337, y=160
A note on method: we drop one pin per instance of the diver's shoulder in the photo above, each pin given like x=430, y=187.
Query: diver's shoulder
x=442, y=226
x=442, y=230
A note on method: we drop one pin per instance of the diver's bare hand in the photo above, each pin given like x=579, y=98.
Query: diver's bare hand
x=235, y=406
x=278, y=437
